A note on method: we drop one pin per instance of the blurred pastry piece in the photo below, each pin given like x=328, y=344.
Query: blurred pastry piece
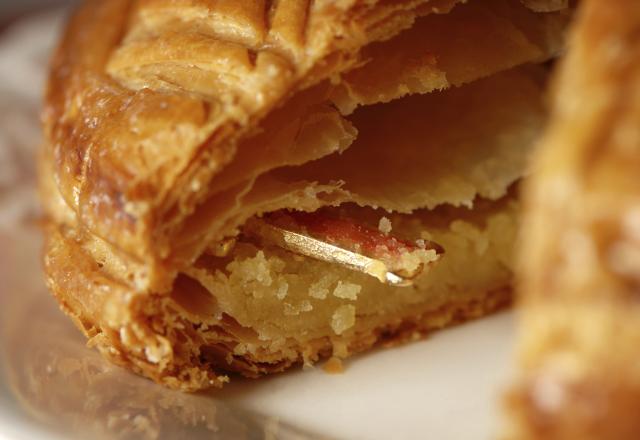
x=580, y=319
x=175, y=127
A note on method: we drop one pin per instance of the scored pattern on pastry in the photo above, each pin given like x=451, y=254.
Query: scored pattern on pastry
x=238, y=51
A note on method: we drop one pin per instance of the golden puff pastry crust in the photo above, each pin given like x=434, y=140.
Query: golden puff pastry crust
x=169, y=124
x=148, y=100
x=580, y=323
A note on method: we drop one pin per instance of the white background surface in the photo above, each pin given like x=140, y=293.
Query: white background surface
x=445, y=387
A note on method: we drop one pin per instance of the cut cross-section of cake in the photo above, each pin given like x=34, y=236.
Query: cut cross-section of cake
x=241, y=186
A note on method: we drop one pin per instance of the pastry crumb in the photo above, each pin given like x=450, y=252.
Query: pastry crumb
x=333, y=366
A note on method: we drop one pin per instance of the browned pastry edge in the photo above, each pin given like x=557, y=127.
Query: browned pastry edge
x=141, y=325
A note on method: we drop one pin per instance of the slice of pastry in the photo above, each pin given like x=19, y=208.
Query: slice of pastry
x=580, y=319
x=243, y=186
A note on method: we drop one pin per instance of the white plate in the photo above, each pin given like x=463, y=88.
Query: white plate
x=51, y=385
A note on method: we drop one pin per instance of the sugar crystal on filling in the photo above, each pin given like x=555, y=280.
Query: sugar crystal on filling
x=347, y=290
x=296, y=309
x=343, y=318
x=384, y=225
x=320, y=289
x=283, y=289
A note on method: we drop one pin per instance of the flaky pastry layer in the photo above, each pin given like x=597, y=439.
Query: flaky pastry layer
x=149, y=102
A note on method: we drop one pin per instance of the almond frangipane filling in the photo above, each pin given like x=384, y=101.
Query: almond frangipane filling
x=292, y=298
